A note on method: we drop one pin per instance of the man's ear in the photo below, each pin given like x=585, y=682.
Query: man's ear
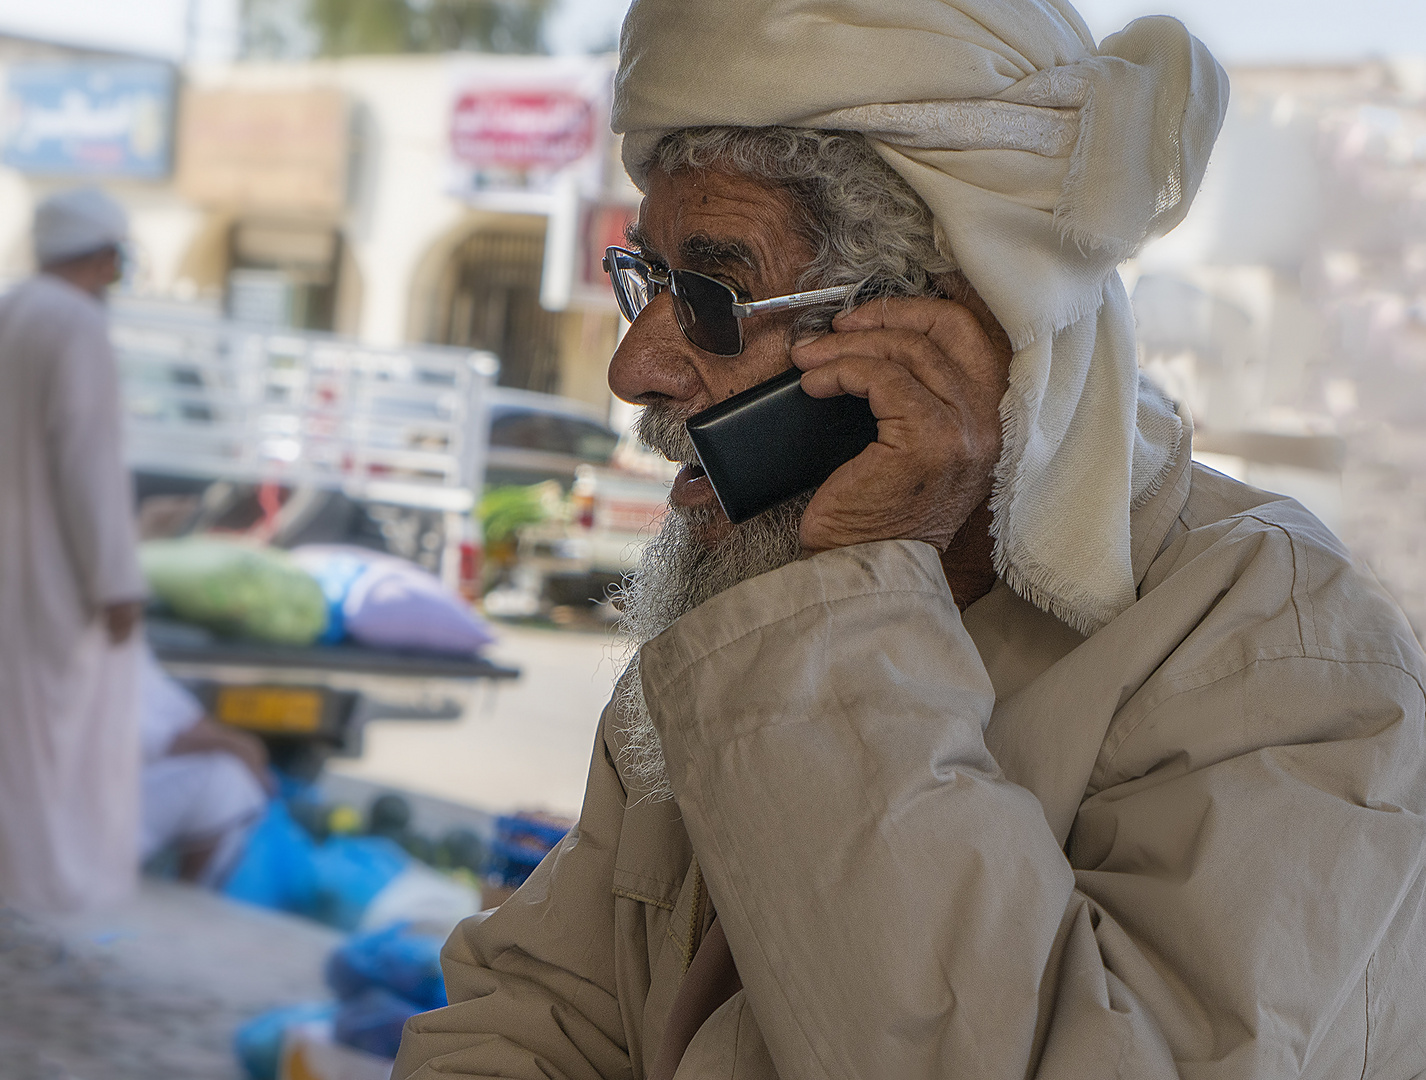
x=955, y=286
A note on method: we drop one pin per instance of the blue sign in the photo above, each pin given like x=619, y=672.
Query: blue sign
x=90, y=119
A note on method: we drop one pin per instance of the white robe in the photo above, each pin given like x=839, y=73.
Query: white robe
x=69, y=750
x=205, y=798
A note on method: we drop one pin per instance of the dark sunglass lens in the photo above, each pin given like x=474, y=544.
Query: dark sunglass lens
x=705, y=313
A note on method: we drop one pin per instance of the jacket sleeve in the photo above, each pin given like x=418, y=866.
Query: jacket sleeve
x=93, y=490
x=896, y=907
x=532, y=987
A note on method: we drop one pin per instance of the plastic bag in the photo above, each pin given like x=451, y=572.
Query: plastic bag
x=285, y=869
x=334, y=570
x=372, y=1022
x=421, y=895
x=350, y=871
x=397, y=959
x=236, y=589
x=276, y=869
x=392, y=603
x=258, y=1043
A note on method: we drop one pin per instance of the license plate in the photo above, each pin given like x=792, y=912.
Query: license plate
x=276, y=710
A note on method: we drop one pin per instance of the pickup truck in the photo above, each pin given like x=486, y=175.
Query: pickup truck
x=292, y=437
x=577, y=558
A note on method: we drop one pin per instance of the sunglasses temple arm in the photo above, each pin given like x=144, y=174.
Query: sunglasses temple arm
x=836, y=294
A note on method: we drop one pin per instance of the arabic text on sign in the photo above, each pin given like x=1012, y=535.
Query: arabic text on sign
x=522, y=129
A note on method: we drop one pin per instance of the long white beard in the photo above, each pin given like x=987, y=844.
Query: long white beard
x=677, y=572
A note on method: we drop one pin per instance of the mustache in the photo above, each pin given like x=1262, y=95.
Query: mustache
x=660, y=427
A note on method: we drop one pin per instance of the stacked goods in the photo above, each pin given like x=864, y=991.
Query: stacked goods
x=316, y=594
x=380, y=978
x=388, y=603
x=236, y=589
x=504, y=511
x=309, y=859
x=521, y=841
x=356, y=872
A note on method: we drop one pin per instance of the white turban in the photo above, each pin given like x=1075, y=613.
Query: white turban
x=78, y=222
x=1046, y=162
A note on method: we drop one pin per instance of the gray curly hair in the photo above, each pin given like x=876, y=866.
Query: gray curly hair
x=865, y=223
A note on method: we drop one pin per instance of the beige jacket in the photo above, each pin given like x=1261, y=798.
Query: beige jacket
x=983, y=846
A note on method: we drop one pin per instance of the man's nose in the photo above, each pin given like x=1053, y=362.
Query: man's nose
x=652, y=362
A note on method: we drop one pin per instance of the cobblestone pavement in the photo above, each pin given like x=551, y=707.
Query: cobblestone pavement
x=152, y=991
x=71, y=1013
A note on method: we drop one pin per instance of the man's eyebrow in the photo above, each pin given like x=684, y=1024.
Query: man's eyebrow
x=700, y=249
x=638, y=241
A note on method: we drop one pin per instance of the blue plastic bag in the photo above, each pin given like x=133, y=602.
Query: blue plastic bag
x=258, y=1043
x=372, y=1021
x=285, y=869
x=391, y=603
x=396, y=959
x=349, y=871
x=276, y=869
x=520, y=844
x=335, y=571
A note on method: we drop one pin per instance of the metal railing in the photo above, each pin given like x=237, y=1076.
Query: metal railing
x=211, y=398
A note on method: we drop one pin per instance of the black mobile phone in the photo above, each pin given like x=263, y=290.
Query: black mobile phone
x=774, y=441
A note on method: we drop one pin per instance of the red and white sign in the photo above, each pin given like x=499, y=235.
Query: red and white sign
x=524, y=125
x=522, y=129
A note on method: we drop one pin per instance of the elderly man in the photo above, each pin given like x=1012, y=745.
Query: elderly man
x=1024, y=746
x=70, y=586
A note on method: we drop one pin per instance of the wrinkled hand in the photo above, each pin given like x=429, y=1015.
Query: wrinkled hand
x=121, y=619
x=934, y=380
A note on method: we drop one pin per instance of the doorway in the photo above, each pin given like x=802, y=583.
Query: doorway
x=489, y=298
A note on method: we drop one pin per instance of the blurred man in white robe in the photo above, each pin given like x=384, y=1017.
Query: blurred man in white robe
x=70, y=585
x=204, y=784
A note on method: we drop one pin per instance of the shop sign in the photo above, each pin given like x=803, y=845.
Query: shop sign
x=602, y=226
x=526, y=126
x=89, y=119
x=268, y=150
x=523, y=130
x=578, y=233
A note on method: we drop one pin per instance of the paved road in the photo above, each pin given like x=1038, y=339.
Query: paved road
x=520, y=745
x=151, y=990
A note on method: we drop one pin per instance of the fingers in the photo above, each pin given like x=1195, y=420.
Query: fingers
x=912, y=352
x=940, y=341
x=893, y=392
x=910, y=418
x=934, y=380
x=923, y=314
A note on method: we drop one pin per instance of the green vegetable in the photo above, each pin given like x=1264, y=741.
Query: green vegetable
x=505, y=510
x=236, y=589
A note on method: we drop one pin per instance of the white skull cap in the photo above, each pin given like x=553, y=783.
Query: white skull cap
x=73, y=223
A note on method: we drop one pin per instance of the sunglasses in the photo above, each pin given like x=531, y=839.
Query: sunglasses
x=709, y=313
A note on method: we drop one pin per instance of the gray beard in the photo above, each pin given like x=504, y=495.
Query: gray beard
x=678, y=572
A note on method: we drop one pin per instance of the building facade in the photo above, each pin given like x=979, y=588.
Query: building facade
x=457, y=200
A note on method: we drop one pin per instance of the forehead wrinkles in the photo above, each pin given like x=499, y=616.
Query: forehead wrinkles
x=731, y=211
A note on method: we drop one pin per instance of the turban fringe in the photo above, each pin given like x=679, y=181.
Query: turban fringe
x=1045, y=162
